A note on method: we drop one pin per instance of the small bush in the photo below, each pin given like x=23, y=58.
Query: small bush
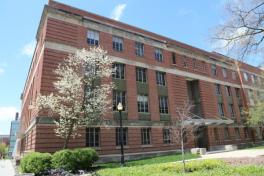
x=35, y=163
x=73, y=160
x=64, y=159
x=85, y=158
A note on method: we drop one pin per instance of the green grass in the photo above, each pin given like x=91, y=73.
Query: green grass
x=258, y=147
x=152, y=160
x=194, y=168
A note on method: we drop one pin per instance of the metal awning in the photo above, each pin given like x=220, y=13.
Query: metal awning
x=196, y=120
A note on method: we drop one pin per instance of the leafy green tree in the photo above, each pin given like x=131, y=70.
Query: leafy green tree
x=3, y=150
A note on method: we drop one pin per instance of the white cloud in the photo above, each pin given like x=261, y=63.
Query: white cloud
x=28, y=49
x=7, y=114
x=118, y=11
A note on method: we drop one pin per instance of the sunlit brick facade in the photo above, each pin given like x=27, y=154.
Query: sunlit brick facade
x=155, y=75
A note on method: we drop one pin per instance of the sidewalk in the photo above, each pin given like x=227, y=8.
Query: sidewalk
x=250, y=153
x=6, y=168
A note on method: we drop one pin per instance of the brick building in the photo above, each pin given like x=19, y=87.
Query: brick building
x=155, y=74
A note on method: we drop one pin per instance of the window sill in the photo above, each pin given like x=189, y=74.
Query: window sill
x=169, y=144
x=125, y=147
x=95, y=148
x=146, y=145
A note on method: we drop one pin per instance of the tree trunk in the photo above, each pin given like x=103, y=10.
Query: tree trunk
x=66, y=140
x=182, y=149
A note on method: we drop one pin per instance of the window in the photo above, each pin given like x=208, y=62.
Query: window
x=234, y=75
x=237, y=92
x=119, y=137
x=92, y=137
x=145, y=136
x=139, y=49
x=251, y=97
x=185, y=65
x=141, y=75
x=231, y=110
x=166, y=136
x=118, y=71
x=226, y=132
x=224, y=70
x=217, y=89
x=173, y=57
x=216, y=134
x=246, y=131
x=213, y=70
x=160, y=78
x=221, y=109
x=237, y=133
x=163, y=105
x=228, y=91
x=194, y=63
x=119, y=97
x=245, y=76
x=142, y=102
x=158, y=55
x=93, y=37
x=241, y=111
x=118, y=43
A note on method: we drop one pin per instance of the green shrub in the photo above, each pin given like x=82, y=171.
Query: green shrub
x=73, y=160
x=35, y=162
x=64, y=159
x=85, y=157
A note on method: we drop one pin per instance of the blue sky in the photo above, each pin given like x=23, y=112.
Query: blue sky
x=186, y=21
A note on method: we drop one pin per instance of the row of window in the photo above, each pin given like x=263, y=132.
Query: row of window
x=255, y=79
x=142, y=102
x=141, y=74
x=227, y=90
x=93, y=136
x=118, y=45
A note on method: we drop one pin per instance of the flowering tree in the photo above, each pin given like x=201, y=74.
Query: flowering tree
x=81, y=96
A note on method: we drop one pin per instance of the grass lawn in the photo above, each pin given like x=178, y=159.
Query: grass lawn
x=258, y=147
x=165, y=166
x=152, y=160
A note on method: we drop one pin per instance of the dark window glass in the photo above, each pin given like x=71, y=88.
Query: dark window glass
x=118, y=43
x=213, y=70
x=119, y=97
x=221, y=109
x=231, y=110
x=145, y=136
x=226, y=132
x=237, y=92
x=173, y=57
x=93, y=37
x=118, y=71
x=224, y=70
x=228, y=91
x=158, y=55
x=141, y=75
x=166, y=136
x=92, y=137
x=160, y=78
x=163, y=105
x=218, y=89
x=139, y=49
x=142, y=102
x=237, y=133
x=119, y=136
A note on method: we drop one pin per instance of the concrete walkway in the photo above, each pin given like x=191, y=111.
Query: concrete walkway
x=250, y=153
x=6, y=168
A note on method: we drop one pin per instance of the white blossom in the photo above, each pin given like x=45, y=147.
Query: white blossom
x=81, y=97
